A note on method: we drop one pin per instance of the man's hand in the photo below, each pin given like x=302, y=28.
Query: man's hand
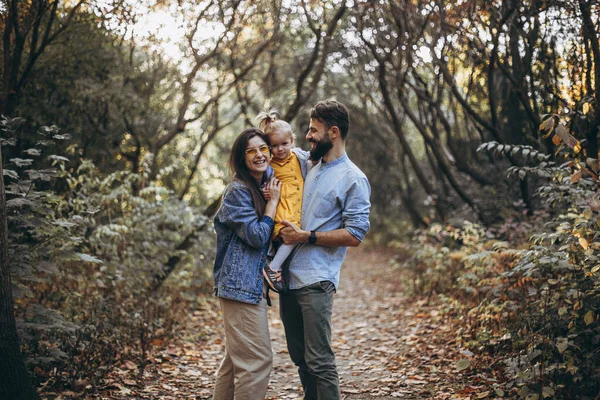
x=292, y=234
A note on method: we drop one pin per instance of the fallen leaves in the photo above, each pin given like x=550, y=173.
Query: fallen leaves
x=463, y=364
x=129, y=365
x=387, y=346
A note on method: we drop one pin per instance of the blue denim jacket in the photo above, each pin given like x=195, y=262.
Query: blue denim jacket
x=242, y=244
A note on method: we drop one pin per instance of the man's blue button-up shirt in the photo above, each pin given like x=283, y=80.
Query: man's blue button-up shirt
x=336, y=195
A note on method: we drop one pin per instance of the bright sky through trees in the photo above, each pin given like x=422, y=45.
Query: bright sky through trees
x=163, y=29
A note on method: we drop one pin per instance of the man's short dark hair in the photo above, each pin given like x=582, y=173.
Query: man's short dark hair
x=332, y=113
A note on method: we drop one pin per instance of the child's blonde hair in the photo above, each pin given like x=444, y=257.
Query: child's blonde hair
x=270, y=123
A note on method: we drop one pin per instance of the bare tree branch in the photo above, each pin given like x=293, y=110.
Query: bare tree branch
x=301, y=95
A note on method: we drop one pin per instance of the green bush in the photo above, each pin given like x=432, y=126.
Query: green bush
x=91, y=259
x=528, y=291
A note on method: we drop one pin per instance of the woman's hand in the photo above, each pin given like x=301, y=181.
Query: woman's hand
x=265, y=191
x=274, y=189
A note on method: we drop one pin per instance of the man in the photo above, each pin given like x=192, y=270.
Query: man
x=335, y=214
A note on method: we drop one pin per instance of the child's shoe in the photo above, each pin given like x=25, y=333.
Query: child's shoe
x=274, y=279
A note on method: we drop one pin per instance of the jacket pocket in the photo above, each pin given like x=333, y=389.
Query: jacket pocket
x=231, y=261
x=242, y=268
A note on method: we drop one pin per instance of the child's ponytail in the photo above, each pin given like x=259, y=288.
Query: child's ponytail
x=266, y=118
x=269, y=123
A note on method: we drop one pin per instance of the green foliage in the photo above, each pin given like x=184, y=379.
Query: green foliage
x=89, y=262
x=532, y=299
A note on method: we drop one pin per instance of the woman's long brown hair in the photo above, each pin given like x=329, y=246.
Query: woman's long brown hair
x=237, y=164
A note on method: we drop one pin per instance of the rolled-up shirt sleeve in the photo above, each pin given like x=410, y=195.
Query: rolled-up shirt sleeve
x=237, y=212
x=355, y=214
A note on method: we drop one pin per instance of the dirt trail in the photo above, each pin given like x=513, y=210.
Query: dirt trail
x=386, y=346
x=366, y=334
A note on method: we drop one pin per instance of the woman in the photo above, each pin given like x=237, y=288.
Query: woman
x=244, y=224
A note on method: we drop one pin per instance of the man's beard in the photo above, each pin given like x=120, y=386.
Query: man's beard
x=321, y=148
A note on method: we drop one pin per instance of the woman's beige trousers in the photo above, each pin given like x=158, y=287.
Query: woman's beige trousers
x=245, y=369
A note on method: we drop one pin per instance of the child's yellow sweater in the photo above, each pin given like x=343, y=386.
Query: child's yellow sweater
x=289, y=172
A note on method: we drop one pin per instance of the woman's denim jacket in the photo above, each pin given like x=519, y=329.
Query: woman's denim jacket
x=242, y=245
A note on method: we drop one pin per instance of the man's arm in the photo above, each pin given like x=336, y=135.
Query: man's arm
x=292, y=234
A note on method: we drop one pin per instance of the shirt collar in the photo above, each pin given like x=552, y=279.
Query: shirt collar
x=334, y=162
x=281, y=163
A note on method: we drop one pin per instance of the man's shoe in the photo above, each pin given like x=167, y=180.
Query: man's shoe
x=274, y=279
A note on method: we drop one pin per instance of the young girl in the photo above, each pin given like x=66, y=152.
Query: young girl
x=290, y=165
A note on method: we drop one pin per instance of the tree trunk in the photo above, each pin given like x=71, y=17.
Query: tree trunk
x=14, y=380
x=439, y=157
x=589, y=34
x=407, y=198
x=397, y=128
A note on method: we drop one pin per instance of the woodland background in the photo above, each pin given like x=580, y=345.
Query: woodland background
x=475, y=121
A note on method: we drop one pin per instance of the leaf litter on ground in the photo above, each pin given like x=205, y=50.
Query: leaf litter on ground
x=387, y=346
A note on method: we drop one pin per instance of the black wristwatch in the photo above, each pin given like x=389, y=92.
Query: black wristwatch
x=312, y=239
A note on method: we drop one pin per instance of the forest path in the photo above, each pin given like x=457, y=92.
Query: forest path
x=386, y=346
